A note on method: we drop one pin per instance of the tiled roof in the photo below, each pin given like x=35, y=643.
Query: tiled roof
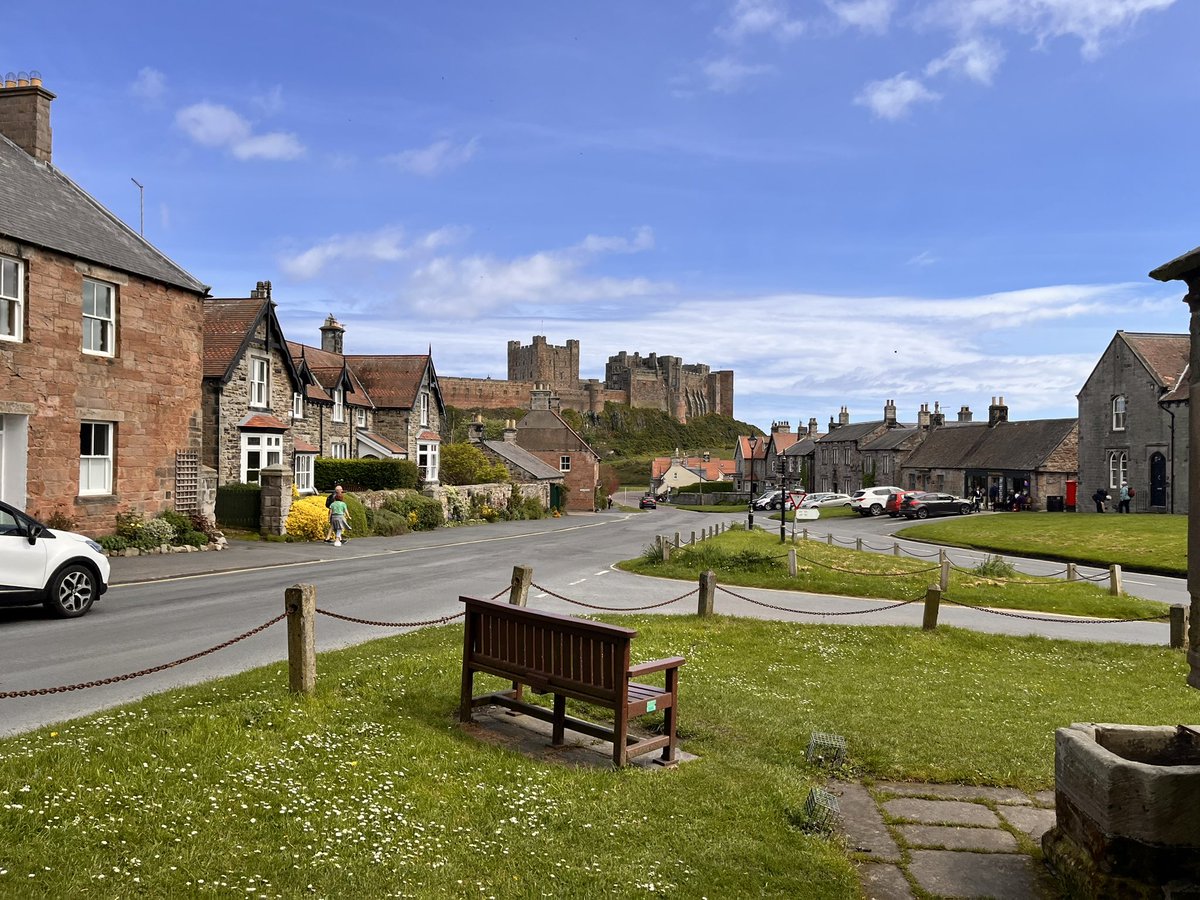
x=753, y=446
x=42, y=206
x=260, y=421
x=429, y=436
x=305, y=447
x=1165, y=355
x=386, y=443
x=1181, y=393
x=783, y=439
x=714, y=469
x=327, y=368
x=523, y=459
x=227, y=326
x=392, y=381
x=1006, y=445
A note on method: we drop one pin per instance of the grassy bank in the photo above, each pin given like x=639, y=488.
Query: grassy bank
x=758, y=559
x=1141, y=543
x=370, y=789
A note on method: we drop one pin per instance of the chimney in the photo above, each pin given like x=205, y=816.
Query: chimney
x=923, y=417
x=832, y=424
x=938, y=419
x=25, y=113
x=540, y=398
x=262, y=291
x=475, y=430
x=889, y=414
x=331, y=336
x=844, y=416
x=781, y=427
x=997, y=413
x=705, y=457
x=510, y=431
x=812, y=427
x=964, y=414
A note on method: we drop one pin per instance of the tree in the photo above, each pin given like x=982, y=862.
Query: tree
x=467, y=464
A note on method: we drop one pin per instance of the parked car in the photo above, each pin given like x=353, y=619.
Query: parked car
x=821, y=501
x=892, y=507
x=64, y=571
x=931, y=503
x=767, y=500
x=873, y=500
x=648, y=502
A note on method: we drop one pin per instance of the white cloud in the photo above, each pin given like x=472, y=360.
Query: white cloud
x=752, y=18
x=977, y=59
x=150, y=84
x=869, y=15
x=387, y=245
x=213, y=125
x=922, y=259
x=440, y=156
x=1092, y=22
x=893, y=97
x=727, y=75
x=270, y=101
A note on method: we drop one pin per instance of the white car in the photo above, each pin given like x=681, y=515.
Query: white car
x=822, y=501
x=64, y=571
x=872, y=501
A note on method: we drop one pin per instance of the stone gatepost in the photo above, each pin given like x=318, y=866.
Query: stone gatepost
x=276, y=499
x=1187, y=269
x=206, y=493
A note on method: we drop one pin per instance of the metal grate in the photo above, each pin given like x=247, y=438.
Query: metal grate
x=821, y=808
x=826, y=749
x=187, y=481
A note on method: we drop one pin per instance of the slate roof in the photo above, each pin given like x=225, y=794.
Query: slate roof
x=1181, y=393
x=851, y=432
x=1007, y=445
x=1164, y=355
x=803, y=447
x=523, y=459
x=890, y=439
x=327, y=368
x=40, y=205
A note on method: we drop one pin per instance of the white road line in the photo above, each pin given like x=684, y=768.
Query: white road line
x=605, y=572
x=573, y=583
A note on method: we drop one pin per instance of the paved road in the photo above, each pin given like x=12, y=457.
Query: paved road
x=161, y=609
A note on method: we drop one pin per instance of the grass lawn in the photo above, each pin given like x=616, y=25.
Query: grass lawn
x=369, y=788
x=758, y=559
x=1140, y=543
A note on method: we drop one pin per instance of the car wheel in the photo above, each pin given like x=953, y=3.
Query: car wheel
x=964, y=510
x=876, y=509
x=922, y=513
x=72, y=592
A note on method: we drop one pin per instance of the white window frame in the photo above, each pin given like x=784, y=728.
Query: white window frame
x=425, y=408
x=302, y=471
x=360, y=417
x=564, y=463
x=12, y=299
x=428, y=459
x=1118, y=467
x=268, y=445
x=1119, y=406
x=260, y=382
x=96, y=327
x=339, y=449
x=95, y=468
x=339, y=406
x=297, y=406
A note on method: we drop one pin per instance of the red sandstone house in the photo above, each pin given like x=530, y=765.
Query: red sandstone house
x=545, y=434
x=100, y=344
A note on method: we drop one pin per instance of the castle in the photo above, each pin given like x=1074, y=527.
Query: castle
x=654, y=382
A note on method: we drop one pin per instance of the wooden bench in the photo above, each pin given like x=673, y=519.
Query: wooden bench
x=567, y=657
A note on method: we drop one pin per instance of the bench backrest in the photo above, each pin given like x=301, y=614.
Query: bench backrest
x=575, y=657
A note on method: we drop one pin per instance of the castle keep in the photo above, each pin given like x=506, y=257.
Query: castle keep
x=653, y=382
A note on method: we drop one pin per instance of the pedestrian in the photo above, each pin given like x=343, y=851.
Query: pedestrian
x=1100, y=498
x=993, y=496
x=338, y=513
x=977, y=499
x=336, y=494
x=1124, y=496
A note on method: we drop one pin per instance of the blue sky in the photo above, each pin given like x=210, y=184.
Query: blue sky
x=844, y=201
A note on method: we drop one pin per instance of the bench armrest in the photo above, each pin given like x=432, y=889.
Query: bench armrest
x=656, y=665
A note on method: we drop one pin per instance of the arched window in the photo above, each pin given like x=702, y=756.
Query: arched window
x=1118, y=412
x=1118, y=467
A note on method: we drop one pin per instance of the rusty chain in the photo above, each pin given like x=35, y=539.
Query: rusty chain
x=803, y=612
x=853, y=572
x=1071, y=620
x=557, y=596
x=439, y=621
x=38, y=692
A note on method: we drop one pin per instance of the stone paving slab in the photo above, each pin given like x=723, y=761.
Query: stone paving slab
x=883, y=881
x=862, y=823
x=1044, y=798
x=941, y=812
x=1001, y=876
x=955, y=792
x=1032, y=820
x=987, y=840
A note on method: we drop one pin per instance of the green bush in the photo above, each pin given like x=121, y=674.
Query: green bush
x=387, y=523
x=356, y=516
x=181, y=523
x=467, y=464
x=155, y=533
x=365, y=474
x=422, y=513
x=113, y=543
x=194, y=539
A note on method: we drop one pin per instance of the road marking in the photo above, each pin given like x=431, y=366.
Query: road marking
x=573, y=583
x=605, y=572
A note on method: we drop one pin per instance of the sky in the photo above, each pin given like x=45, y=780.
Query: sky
x=843, y=201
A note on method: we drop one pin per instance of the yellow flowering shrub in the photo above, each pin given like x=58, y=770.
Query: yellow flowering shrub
x=308, y=519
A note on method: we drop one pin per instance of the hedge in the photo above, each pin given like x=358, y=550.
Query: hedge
x=365, y=474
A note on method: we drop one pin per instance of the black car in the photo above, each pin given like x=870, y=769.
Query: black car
x=648, y=502
x=931, y=503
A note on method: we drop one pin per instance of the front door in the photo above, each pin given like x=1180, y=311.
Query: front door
x=1158, y=480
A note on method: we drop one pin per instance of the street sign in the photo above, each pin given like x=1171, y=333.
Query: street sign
x=808, y=514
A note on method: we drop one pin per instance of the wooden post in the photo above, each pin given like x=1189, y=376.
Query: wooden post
x=693, y=537
x=708, y=590
x=677, y=540
x=1072, y=572
x=1114, y=580
x=858, y=544
x=1179, y=627
x=518, y=593
x=829, y=539
x=666, y=551
x=300, y=604
x=895, y=548
x=933, y=599
x=792, y=561
x=804, y=533
x=944, y=579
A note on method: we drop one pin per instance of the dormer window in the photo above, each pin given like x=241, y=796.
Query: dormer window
x=339, y=407
x=1118, y=413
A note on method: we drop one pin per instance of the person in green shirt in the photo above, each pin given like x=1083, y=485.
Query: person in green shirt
x=338, y=513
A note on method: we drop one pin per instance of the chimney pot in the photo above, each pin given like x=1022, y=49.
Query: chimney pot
x=25, y=115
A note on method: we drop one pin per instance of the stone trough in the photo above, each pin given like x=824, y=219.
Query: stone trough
x=1127, y=800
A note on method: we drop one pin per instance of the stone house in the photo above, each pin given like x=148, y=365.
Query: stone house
x=523, y=466
x=100, y=342
x=883, y=456
x=750, y=456
x=838, y=464
x=798, y=461
x=408, y=409
x=250, y=390
x=778, y=441
x=545, y=434
x=1038, y=457
x=335, y=405
x=1133, y=422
